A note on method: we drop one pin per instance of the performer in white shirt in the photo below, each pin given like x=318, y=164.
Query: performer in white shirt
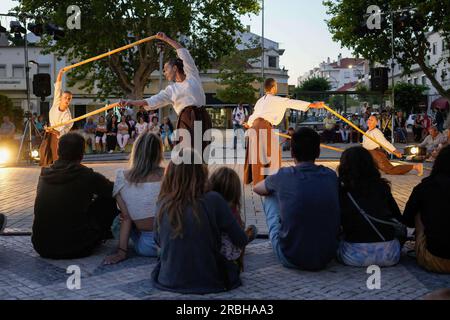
x=185, y=94
x=269, y=111
x=378, y=154
x=58, y=113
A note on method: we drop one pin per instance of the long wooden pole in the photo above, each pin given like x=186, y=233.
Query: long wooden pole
x=358, y=129
x=106, y=54
x=101, y=56
x=105, y=108
x=321, y=145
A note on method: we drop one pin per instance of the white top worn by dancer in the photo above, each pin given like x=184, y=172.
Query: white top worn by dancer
x=140, y=198
x=181, y=94
x=57, y=116
x=379, y=136
x=272, y=108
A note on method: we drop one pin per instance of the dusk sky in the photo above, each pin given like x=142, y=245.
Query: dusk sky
x=299, y=27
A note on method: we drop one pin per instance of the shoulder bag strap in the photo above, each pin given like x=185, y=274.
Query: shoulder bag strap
x=366, y=216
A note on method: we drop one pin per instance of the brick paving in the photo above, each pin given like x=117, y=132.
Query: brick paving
x=27, y=276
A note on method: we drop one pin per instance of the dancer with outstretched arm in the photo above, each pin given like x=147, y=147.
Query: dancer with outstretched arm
x=185, y=93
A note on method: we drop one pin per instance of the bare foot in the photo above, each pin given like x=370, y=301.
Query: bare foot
x=419, y=169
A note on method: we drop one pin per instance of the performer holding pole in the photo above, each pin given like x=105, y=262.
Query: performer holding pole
x=59, y=113
x=185, y=94
x=380, y=157
x=269, y=111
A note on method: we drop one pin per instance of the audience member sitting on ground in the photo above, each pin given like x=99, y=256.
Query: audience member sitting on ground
x=136, y=191
x=379, y=155
x=302, y=207
x=123, y=133
x=132, y=126
x=166, y=133
x=428, y=211
x=286, y=143
x=441, y=146
x=141, y=126
x=7, y=129
x=366, y=243
x=226, y=182
x=89, y=130
x=74, y=209
x=111, y=134
x=188, y=230
x=433, y=140
x=344, y=131
x=329, y=132
x=154, y=126
x=100, y=134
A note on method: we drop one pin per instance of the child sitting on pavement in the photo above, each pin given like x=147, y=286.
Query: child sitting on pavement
x=226, y=182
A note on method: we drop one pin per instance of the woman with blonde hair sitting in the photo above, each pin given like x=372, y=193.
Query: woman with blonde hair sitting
x=136, y=191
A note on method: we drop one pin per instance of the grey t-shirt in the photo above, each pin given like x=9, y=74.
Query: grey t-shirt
x=309, y=213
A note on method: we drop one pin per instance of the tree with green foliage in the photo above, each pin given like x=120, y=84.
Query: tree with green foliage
x=235, y=74
x=348, y=24
x=363, y=95
x=409, y=96
x=15, y=114
x=207, y=27
x=312, y=84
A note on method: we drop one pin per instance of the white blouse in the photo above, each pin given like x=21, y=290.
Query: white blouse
x=272, y=108
x=140, y=198
x=181, y=94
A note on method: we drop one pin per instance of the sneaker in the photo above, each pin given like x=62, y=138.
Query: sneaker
x=251, y=232
x=110, y=151
x=3, y=221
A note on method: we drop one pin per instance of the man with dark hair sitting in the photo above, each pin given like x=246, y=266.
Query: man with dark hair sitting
x=74, y=207
x=302, y=207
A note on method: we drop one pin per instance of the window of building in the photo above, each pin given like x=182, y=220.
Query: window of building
x=409, y=81
x=434, y=48
x=424, y=80
x=415, y=80
x=44, y=68
x=444, y=47
x=2, y=71
x=272, y=62
x=18, y=71
x=347, y=74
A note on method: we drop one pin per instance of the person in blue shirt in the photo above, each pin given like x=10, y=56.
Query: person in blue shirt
x=302, y=207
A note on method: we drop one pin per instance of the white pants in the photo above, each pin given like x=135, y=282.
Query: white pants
x=91, y=136
x=122, y=140
x=102, y=139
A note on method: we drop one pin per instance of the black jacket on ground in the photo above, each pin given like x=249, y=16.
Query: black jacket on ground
x=73, y=208
x=431, y=199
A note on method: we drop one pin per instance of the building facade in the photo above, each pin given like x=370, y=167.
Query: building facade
x=13, y=81
x=339, y=72
x=439, y=54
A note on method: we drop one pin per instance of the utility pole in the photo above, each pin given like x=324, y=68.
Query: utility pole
x=262, y=51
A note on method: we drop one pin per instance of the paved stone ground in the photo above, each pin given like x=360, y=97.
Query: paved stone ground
x=24, y=275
